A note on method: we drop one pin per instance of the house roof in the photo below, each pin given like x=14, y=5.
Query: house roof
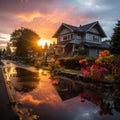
x=95, y=45
x=85, y=28
x=73, y=28
x=81, y=28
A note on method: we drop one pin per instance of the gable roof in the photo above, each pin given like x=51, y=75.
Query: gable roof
x=81, y=29
x=73, y=28
x=85, y=28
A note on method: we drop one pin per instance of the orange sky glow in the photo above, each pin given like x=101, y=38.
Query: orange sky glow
x=45, y=16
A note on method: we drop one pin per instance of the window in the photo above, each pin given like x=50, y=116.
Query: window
x=97, y=51
x=89, y=37
x=95, y=38
x=71, y=36
x=68, y=37
x=65, y=37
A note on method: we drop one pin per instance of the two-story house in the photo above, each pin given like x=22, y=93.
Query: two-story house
x=89, y=37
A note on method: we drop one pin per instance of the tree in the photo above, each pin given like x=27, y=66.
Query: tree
x=46, y=46
x=115, y=46
x=25, y=41
x=1, y=53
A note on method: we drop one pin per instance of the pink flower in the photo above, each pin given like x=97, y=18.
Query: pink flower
x=94, y=72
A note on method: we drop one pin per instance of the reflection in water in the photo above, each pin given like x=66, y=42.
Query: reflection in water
x=104, y=99
x=29, y=98
x=67, y=89
x=41, y=97
x=106, y=108
x=40, y=71
x=21, y=79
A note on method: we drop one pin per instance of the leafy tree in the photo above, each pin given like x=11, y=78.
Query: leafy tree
x=25, y=41
x=115, y=47
x=0, y=53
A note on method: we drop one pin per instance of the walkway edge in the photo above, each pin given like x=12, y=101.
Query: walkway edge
x=10, y=95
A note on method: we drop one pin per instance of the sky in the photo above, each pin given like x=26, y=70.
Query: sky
x=45, y=16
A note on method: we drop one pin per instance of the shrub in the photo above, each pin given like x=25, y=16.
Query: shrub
x=54, y=67
x=70, y=62
x=94, y=72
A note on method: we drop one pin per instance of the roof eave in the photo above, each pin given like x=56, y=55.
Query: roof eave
x=63, y=24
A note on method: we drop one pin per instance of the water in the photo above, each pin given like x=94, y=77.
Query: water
x=61, y=99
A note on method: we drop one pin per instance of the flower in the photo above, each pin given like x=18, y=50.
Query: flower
x=52, y=60
x=104, y=53
x=82, y=61
x=97, y=61
x=94, y=72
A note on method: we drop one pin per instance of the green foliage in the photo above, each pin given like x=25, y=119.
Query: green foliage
x=90, y=60
x=25, y=40
x=54, y=67
x=117, y=78
x=83, y=52
x=70, y=62
x=115, y=47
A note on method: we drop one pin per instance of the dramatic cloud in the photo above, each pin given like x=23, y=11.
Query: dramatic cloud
x=45, y=16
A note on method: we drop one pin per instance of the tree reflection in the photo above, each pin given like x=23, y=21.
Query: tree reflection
x=22, y=80
x=26, y=86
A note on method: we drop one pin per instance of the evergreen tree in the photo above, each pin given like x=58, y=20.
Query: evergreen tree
x=115, y=46
x=46, y=46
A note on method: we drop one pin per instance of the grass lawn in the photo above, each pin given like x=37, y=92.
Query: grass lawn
x=71, y=71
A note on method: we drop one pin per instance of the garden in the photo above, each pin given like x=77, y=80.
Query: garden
x=106, y=66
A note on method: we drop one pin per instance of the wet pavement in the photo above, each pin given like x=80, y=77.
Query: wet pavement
x=38, y=94
x=6, y=111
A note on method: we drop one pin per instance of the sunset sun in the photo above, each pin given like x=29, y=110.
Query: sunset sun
x=42, y=42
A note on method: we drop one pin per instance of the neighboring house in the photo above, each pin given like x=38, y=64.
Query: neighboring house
x=71, y=38
x=107, y=43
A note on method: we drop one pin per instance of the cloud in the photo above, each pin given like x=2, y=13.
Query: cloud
x=4, y=37
x=30, y=99
x=45, y=16
x=29, y=16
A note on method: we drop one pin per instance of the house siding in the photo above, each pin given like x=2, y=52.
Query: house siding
x=93, y=38
x=87, y=36
x=65, y=36
x=64, y=31
x=94, y=30
x=94, y=52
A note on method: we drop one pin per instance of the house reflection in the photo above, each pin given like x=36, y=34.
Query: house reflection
x=67, y=89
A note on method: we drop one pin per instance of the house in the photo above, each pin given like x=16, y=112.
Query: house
x=85, y=37
x=107, y=42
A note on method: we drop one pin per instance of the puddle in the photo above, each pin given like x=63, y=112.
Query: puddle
x=61, y=99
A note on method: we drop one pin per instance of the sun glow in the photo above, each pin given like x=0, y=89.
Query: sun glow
x=43, y=42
